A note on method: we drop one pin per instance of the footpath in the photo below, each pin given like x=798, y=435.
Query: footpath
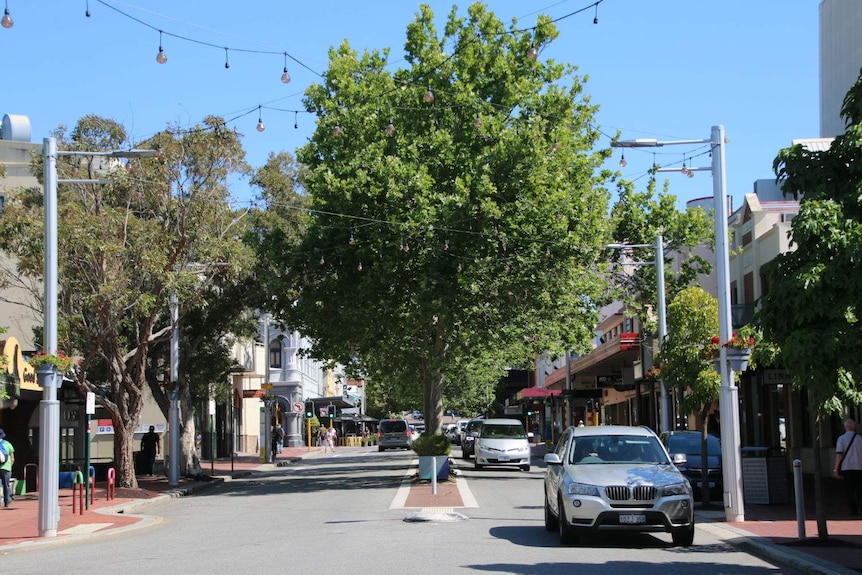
x=769, y=531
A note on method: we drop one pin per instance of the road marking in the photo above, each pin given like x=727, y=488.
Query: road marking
x=403, y=492
x=84, y=528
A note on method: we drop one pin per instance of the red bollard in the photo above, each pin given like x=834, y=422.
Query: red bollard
x=78, y=489
x=112, y=481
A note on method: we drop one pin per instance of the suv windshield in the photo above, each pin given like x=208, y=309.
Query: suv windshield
x=594, y=449
x=689, y=443
x=492, y=431
x=393, y=426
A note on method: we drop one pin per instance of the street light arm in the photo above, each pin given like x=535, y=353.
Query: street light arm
x=653, y=143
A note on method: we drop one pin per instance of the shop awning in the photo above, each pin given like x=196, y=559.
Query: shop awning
x=536, y=393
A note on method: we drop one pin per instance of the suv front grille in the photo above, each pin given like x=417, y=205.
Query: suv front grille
x=637, y=493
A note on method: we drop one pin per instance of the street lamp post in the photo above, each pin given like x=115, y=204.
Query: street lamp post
x=49, y=407
x=728, y=397
x=664, y=412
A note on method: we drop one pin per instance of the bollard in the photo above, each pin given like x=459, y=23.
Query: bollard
x=800, y=502
x=434, y=476
x=110, y=490
x=78, y=489
x=91, y=484
x=35, y=469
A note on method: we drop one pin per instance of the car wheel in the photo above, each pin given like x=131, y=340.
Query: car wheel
x=567, y=536
x=550, y=518
x=684, y=537
x=525, y=468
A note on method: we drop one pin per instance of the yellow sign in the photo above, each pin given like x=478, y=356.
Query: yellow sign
x=266, y=386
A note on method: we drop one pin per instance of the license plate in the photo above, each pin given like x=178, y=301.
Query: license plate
x=503, y=458
x=632, y=519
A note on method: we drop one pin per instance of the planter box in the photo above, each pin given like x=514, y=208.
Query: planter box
x=427, y=466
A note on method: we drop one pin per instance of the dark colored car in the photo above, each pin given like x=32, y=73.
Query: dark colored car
x=468, y=441
x=689, y=444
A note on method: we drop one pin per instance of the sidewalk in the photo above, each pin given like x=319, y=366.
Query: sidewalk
x=769, y=531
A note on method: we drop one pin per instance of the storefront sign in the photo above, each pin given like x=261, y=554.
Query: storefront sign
x=776, y=377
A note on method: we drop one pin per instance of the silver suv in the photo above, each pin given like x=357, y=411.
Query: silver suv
x=609, y=478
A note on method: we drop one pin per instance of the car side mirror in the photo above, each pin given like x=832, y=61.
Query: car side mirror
x=530, y=435
x=552, y=459
x=679, y=458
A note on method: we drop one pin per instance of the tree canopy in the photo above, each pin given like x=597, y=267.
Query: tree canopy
x=456, y=207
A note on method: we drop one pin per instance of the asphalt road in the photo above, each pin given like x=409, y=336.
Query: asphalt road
x=333, y=514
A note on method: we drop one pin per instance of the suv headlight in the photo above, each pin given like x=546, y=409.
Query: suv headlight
x=677, y=489
x=583, y=489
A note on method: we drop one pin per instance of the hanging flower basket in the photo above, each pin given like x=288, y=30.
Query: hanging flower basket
x=59, y=361
x=737, y=349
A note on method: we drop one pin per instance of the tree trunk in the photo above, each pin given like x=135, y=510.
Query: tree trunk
x=123, y=454
x=189, y=464
x=819, y=503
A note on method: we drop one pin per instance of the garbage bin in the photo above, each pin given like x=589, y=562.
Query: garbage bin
x=764, y=476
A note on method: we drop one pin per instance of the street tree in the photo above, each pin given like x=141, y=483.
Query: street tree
x=125, y=247
x=812, y=307
x=685, y=362
x=457, y=205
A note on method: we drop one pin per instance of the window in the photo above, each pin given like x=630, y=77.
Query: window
x=275, y=353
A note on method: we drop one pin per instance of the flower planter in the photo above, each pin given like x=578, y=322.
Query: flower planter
x=427, y=465
x=737, y=359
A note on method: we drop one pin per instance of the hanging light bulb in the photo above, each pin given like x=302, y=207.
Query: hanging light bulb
x=623, y=162
x=351, y=241
x=359, y=267
x=596, y=17
x=336, y=131
x=429, y=96
x=322, y=261
x=295, y=120
x=556, y=146
x=460, y=268
x=533, y=53
x=226, y=62
x=7, y=22
x=161, y=58
x=260, y=126
x=690, y=173
x=478, y=121
x=285, y=77
x=446, y=245
x=87, y=13
x=390, y=129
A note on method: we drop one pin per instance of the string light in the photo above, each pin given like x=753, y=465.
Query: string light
x=336, y=131
x=322, y=261
x=285, y=77
x=87, y=13
x=359, y=267
x=260, y=126
x=533, y=53
x=460, y=268
x=295, y=120
x=226, y=62
x=623, y=162
x=7, y=22
x=161, y=58
x=351, y=241
x=478, y=121
x=556, y=146
x=596, y=18
x=429, y=96
x=390, y=129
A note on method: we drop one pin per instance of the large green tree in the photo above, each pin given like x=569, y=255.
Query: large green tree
x=457, y=207
x=692, y=320
x=125, y=247
x=812, y=307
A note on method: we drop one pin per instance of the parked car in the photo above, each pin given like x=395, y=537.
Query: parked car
x=502, y=443
x=416, y=429
x=393, y=434
x=616, y=478
x=451, y=432
x=468, y=438
x=689, y=444
x=459, y=430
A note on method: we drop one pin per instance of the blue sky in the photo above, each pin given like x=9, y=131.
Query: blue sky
x=666, y=69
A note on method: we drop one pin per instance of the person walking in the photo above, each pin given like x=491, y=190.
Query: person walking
x=321, y=437
x=848, y=465
x=333, y=438
x=150, y=447
x=277, y=440
x=7, y=454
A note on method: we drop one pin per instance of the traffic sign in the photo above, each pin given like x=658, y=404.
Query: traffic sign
x=297, y=407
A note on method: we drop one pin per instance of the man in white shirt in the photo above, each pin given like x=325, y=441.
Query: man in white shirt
x=848, y=464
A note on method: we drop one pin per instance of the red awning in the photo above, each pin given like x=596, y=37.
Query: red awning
x=536, y=392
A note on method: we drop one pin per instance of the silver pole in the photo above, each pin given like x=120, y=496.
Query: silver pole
x=800, y=499
x=728, y=396
x=174, y=416
x=49, y=407
x=662, y=328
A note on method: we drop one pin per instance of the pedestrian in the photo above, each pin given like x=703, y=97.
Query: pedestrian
x=277, y=440
x=333, y=438
x=321, y=437
x=7, y=454
x=848, y=465
x=581, y=423
x=327, y=440
x=150, y=447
